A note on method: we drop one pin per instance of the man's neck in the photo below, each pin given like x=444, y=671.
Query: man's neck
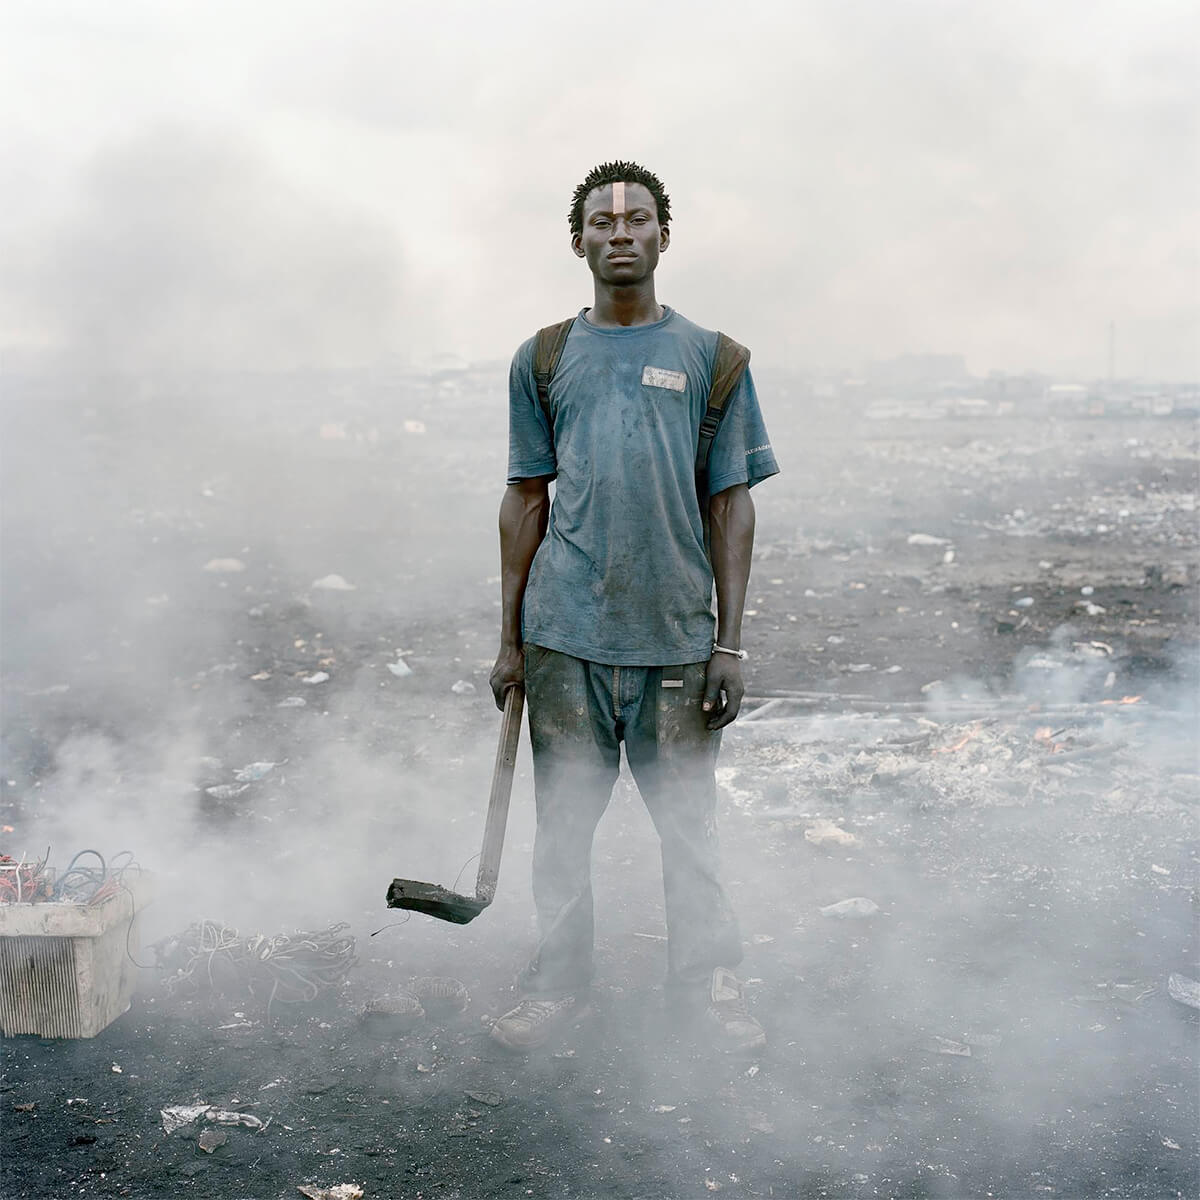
x=620, y=306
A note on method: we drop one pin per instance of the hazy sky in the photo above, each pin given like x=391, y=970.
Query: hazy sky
x=275, y=184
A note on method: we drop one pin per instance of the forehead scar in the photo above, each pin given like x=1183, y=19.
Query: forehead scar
x=618, y=203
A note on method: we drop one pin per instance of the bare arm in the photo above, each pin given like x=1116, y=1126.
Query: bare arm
x=731, y=544
x=524, y=515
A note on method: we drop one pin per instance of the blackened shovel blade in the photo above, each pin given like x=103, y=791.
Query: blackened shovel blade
x=435, y=901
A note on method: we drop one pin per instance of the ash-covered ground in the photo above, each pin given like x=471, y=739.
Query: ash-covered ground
x=948, y=608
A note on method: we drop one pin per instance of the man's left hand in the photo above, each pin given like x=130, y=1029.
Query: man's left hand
x=723, y=690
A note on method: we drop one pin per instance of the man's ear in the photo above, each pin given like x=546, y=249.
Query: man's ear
x=664, y=239
x=577, y=244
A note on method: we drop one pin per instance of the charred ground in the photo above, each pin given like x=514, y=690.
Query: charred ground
x=1032, y=905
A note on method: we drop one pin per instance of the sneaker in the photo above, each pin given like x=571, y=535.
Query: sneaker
x=536, y=1020
x=726, y=1018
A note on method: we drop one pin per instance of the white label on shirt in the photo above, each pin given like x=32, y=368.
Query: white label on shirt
x=660, y=377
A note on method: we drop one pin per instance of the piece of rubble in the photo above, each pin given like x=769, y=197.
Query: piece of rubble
x=333, y=583
x=941, y=1045
x=400, y=669
x=226, y=791
x=316, y=677
x=1023, y=602
x=927, y=539
x=227, y=1116
x=462, y=687
x=441, y=993
x=339, y=1191
x=1183, y=990
x=224, y=566
x=401, y=1009
x=826, y=833
x=253, y=772
x=292, y=702
x=178, y=1115
x=855, y=907
x=210, y=1139
x=491, y=1099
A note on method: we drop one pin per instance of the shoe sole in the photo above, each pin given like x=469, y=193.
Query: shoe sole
x=576, y=1018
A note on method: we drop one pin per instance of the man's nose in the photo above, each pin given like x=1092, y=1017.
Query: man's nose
x=620, y=231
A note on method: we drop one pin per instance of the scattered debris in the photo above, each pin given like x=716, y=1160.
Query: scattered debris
x=462, y=687
x=333, y=583
x=253, y=772
x=227, y=1116
x=178, y=1115
x=226, y=791
x=941, y=1045
x=210, y=1139
x=856, y=906
x=339, y=1191
x=400, y=1009
x=440, y=993
x=224, y=566
x=491, y=1099
x=284, y=968
x=400, y=669
x=826, y=833
x=316, y=677
x=927, y=539
x=1184, y=990
x=292, y=702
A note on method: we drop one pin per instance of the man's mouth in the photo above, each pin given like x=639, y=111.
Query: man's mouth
x=621, y=254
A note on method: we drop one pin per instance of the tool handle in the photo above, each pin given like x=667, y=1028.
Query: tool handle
x=502, y=777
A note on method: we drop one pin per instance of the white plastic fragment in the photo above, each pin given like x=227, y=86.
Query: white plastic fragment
x=224, y=566
x=400, y=669
x=292, y=702
x=334, y=583
x=253, y=772
x=178, y=1115
x=1184, y=990
x=941, y=1045
x=927, y=539
x=316, y=677
x=339, y=1191
x=462, y=687
x=855, y=907
x=226, y=1116
x=226, y=791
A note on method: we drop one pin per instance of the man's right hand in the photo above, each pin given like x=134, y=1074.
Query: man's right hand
x=509, y=671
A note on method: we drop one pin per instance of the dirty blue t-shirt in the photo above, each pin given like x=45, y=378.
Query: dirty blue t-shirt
x=622, y=576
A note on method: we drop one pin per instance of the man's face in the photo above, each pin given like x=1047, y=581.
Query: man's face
x=621, y=238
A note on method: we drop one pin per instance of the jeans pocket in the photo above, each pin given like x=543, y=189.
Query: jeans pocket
x=534, y=657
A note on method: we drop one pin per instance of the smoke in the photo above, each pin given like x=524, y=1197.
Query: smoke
x=186, y=248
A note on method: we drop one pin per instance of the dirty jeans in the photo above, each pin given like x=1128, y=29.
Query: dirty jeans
x=579, y=713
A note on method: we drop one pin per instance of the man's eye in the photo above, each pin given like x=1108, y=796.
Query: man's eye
x=639, y=220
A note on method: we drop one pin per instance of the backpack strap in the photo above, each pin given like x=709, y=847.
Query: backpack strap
x=547, y=350
x=728, y=367
x=731, y=360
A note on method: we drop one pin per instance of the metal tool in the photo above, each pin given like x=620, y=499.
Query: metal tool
x=440, y=902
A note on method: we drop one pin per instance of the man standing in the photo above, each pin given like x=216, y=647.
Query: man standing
x=607, y=607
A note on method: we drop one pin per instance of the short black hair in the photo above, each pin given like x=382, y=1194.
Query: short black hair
x=619, y=172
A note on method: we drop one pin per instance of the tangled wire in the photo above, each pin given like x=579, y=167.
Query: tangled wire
x=26, y=883
x=295, y=968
